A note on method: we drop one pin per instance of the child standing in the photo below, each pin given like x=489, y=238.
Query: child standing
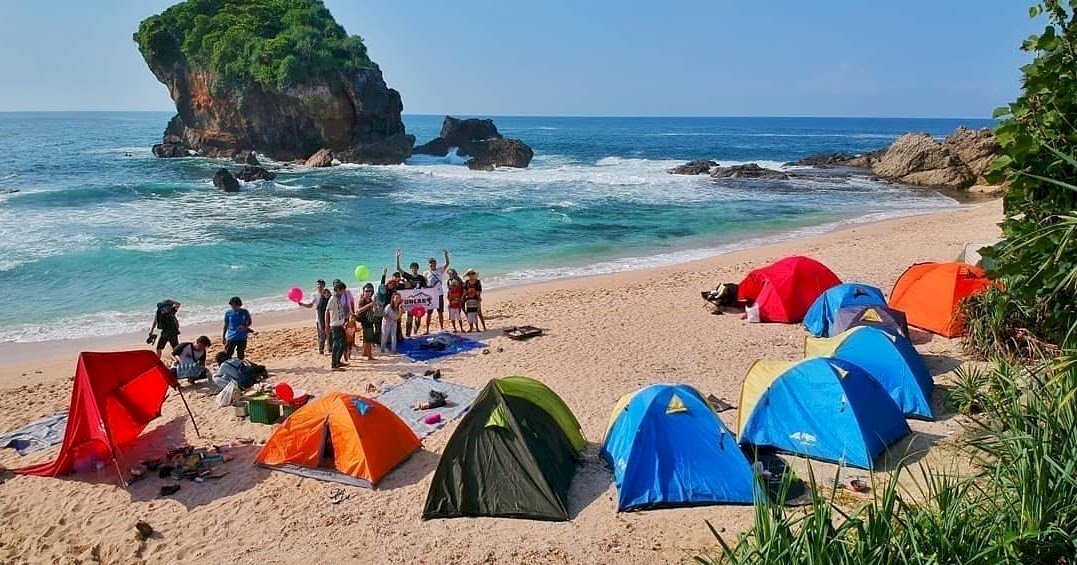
x=389, y=321
x=456, y=302
x=472, y=299
x=350, y=326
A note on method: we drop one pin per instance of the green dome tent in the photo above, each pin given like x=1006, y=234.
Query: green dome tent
x=513, y=455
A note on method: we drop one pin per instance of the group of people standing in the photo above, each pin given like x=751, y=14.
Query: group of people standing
x=189, y=358
x=377, y=316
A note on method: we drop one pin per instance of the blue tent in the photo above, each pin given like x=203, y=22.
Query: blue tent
x=821, y=408
x=824, y=310
x=890, y=359
x=668, y=448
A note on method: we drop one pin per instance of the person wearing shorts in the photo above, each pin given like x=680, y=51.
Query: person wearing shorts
x=435, y=277
x=473, y=300
x=165, y=321
x=456, y=303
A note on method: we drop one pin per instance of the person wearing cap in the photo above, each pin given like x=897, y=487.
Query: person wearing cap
x=318, y=301
x=165, y=321
x=435, y=278
x=412, y=280
x=237, y=326
x=473, y=300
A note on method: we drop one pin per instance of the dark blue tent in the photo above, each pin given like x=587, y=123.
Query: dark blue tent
x=668, y=448
x=823, y=312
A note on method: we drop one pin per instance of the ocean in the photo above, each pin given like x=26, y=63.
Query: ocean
x=100, y=230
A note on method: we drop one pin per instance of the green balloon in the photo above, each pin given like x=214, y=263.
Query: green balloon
x=362, y=273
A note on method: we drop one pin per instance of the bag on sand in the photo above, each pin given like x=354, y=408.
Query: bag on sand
x=752, y=313
x=228, y=395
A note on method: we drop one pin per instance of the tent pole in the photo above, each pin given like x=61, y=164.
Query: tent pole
x=189, y=413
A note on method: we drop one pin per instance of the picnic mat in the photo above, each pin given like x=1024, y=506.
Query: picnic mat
x=400, y=399
x=417, y=349
x=38, y=435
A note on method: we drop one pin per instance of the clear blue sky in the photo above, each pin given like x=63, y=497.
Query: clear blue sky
x=913, y=58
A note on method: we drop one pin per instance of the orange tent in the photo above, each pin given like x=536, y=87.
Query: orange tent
x=342, y=438
x=929, y=294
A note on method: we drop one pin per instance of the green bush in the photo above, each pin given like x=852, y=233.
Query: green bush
x=1038, y=136
x=274, y=43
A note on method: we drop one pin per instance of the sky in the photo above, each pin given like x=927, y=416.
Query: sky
x=913, y=58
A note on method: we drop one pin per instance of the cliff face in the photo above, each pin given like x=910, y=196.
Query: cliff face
x=357, y=117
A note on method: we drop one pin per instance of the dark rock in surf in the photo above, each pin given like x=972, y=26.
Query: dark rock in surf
x=437, y=147
x=748, y=171
x=224, y=180
x=459, y=133
x=824, y=160
x=246, y=157
x=697, y=167
x=480, y=140
x=500, y=153
x=320, y=158
x=252, y=173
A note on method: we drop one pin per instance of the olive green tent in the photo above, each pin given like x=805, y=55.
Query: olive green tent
x=513, y=455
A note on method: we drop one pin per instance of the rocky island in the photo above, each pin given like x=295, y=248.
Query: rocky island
x=480, y=140
x=280, y=78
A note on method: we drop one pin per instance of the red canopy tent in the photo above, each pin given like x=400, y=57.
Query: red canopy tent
x=784, y=290
x=115, y=396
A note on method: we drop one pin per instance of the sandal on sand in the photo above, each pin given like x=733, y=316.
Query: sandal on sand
x=337, y=495
x=858, y=484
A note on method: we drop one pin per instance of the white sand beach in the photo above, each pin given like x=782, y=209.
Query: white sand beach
x=604, y=336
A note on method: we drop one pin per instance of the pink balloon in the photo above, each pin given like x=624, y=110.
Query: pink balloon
x=418, y=311
x=295, y=294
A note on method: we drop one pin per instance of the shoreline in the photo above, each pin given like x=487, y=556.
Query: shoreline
x=15, y=353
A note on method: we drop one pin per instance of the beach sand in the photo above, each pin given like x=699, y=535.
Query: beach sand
x=605, y=336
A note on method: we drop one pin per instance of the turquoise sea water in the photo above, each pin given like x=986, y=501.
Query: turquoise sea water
x=100, y=230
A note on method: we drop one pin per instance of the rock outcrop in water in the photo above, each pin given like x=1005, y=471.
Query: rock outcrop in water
x=959, y=162
x=252, y=173
x=480, y=140
x=748, y=171
x=697, y=167
x=224, y=180
x=330, y=96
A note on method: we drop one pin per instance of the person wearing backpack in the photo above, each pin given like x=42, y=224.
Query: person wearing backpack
x=165, y=321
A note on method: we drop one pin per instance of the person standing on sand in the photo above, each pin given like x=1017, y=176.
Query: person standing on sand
x=412, y=280
x=237, y=326
x=390, y=323
x=365, y=313
x=165, y=321
x=317, y=301
x=394, y=284
x=336, y=314
x=473, y=300
x=435, y=277
x=456, y=303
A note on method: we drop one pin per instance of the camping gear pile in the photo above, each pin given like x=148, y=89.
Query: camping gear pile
x=184, y=462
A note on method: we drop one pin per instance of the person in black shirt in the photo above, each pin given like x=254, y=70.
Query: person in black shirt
x=165, y=321
x=412, y=279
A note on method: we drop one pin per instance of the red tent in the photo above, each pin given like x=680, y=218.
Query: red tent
x=114, y=397
x=786, y=289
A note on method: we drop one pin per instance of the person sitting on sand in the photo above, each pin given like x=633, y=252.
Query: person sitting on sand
x=390, y=322
x=165, y=321
x=336, y=314
x=473, y=301
x=191, y=360
x=456, y=303
x=317, y=301
x=435, y=277
x=237, y=326
x=242, y=372
x=412, y=280
x=365, y=313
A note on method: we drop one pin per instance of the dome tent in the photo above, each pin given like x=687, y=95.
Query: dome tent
x=930, y=294
x=822, y=408
x=667, y=447
x=341, y=438
x=820, y=318
x=513, y=455
x=888, y=358
x=882, y=317
x=786, y=289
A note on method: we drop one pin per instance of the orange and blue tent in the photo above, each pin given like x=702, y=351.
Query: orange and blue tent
x=821, y=408
x=667, y=448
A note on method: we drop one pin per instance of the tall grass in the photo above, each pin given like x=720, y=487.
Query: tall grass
x=1019, y=505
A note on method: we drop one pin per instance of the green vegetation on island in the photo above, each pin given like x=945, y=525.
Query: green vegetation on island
x=274, y=43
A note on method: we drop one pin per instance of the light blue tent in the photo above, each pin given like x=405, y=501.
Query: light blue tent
x=820, y=317
x=668, y=448
x=821, y=408
x=890, y=359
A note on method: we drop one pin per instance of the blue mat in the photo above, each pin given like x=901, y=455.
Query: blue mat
x=400, y=400
x=38, y=435
x=417, y=350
